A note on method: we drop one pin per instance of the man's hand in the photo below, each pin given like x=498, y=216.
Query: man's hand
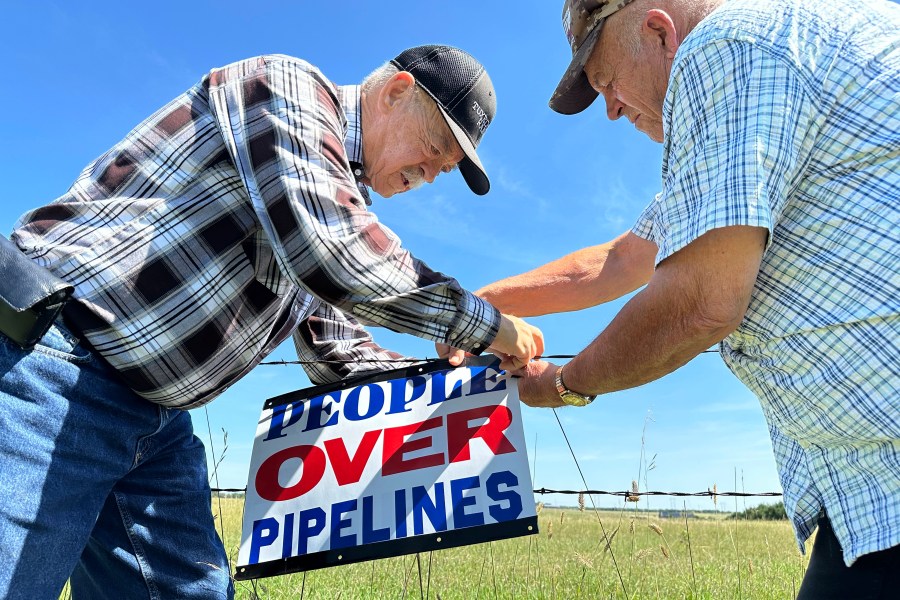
x=454, y=355
x=516, y=344
x=537, y=385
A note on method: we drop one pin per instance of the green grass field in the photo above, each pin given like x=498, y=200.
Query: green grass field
x=706, y=557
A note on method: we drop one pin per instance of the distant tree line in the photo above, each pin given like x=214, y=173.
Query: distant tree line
x=763, y=512
x=220, y=494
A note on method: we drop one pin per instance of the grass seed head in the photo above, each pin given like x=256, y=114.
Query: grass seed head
x=633, y=496
x=643, y=553
x=584, y=560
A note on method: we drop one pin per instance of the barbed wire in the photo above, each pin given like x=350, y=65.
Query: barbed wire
x=409, y=359
x=631, y=494
x=625, y=494
x=628, y=494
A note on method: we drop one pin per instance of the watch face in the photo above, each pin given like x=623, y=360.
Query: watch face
x=573, y=399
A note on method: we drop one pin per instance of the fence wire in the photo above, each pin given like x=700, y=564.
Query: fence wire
x=409, y=359
x=629, y=494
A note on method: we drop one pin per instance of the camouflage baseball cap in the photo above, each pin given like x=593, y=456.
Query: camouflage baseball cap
x=582, y=21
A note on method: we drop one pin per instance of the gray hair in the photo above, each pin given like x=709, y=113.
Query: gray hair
x=380, y=76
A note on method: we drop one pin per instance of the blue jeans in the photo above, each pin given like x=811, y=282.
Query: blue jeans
x=99, y=486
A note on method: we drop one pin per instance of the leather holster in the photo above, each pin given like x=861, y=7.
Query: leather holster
x=31, y=297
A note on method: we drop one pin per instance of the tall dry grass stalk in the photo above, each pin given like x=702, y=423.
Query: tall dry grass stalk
x=687, y=532
x=737, y=561
x=612, y=536
x=585, y=565
x=658, y=531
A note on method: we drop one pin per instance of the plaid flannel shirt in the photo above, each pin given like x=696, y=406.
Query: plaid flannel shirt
x=785, y=114
x=230, y=220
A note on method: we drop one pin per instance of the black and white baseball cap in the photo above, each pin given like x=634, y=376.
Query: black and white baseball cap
x=465, y=98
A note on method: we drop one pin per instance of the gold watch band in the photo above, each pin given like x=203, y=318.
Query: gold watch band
x=568, y=396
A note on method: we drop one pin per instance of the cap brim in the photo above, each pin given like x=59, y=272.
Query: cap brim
x=470, y=166
x=574, y=92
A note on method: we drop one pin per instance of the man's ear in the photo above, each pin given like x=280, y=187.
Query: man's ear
x=396, y=90
x=659, y=26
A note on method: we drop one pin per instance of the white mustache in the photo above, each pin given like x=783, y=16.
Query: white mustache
x=414, y=176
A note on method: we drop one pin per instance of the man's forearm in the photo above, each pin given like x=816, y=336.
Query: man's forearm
x=650, y=337
x=695, y=298
x=576, y=281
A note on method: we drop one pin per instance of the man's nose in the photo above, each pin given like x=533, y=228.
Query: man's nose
x=614, y=108
x=430, y=172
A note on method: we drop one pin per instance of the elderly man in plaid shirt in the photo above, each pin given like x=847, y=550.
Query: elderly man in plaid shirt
x=232, y=219
x=776, y=235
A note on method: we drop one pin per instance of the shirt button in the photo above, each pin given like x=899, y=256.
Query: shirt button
x=358, y=172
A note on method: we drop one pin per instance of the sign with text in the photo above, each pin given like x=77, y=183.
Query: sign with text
x=410, y=460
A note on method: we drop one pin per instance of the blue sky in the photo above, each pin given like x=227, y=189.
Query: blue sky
x=81, y=75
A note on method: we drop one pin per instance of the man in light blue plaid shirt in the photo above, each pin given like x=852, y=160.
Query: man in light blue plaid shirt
x=777, y=234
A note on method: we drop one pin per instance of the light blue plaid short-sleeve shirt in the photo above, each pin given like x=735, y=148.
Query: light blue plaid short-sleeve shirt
x=785, y=114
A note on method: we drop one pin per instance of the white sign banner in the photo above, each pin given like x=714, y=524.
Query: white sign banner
x=406, y=461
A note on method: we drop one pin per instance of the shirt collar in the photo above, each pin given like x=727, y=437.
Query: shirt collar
x=350, y=96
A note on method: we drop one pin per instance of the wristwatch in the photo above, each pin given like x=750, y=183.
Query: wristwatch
x=568, y=396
